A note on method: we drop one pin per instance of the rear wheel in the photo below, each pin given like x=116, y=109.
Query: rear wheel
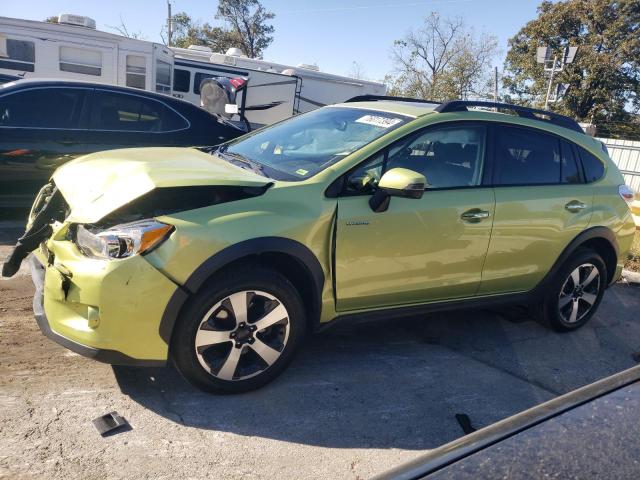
x=575, y=293
x=239, y=332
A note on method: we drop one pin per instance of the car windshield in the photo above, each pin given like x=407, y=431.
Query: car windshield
x=299, y=148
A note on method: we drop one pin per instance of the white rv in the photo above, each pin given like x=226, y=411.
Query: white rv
x=73, y=48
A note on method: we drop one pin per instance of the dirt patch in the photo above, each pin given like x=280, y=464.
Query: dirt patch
x=633, y=259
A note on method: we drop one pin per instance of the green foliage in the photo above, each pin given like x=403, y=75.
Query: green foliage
x=53, y=19
x=188, y=32
x=249, y=25
x=604, y=79
x=443, y=60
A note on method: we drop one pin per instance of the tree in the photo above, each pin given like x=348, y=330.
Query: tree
x=604, y=79
x=53, y=19
x=125, y=32
x=188, y=32
x=442, y=60
x=248, y=20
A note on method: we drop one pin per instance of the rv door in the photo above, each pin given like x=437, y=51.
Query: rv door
x=163, y=68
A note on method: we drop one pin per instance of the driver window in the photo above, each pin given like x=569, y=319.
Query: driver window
x=366, y=176
x=448, y=157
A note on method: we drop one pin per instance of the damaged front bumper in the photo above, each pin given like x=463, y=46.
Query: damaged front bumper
x=87, y=306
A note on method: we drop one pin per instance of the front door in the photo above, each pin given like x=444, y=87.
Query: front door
x=419, y=250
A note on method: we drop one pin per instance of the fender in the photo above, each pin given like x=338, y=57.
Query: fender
x=589, y=234
x=216, y=262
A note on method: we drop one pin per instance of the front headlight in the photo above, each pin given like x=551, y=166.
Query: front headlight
x=122, y=241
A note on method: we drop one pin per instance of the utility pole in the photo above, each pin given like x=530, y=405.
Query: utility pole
x=553, y=72
x=169, y=23
x=495, y=85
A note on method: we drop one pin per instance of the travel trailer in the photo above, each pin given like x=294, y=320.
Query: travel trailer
x=73, y=48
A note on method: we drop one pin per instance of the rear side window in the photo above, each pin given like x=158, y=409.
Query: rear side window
x=122, y=112
x=181, y=80
x=569, y=170
x=593, y=167
x=526, y=157
x=42, y=108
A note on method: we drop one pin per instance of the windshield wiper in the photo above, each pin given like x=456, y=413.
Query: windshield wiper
x=236, y=157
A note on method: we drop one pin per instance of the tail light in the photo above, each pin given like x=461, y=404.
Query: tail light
x=237, y=82
x=627, y=194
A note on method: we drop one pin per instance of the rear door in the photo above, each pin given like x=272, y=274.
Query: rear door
x=419, y=250
x=121, y=120
x=40, y=129
x=542, y=203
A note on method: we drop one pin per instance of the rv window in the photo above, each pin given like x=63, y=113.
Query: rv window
x=79, y=60
x=21, y=55
x=181, y=80
x=163, y=77
x=42, y=108
x=197, y=80
x=136, y=71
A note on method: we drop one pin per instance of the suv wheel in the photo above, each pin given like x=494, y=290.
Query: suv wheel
x=575, y=293
x=239, y=332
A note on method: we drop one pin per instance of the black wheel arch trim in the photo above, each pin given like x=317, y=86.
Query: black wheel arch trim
x=593, y=233
x=254, y=246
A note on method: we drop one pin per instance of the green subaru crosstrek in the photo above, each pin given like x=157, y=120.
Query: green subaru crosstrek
x=221, y=259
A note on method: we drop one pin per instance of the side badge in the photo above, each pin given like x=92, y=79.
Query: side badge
x=351, y=223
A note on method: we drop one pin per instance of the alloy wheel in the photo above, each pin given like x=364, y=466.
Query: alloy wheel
x=579, y=293
x=242, y=335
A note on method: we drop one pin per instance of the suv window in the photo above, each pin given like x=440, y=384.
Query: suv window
x=593, y=167
x=526, y=157
x=448, y=157
x=570, y=172
x=42, y=108
x=123, y=112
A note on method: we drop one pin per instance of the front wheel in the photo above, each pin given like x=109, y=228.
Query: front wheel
x=574, y=294
x=239, y=332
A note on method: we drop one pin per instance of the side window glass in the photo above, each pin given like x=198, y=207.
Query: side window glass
x=80, y=60
x=181, y=80
x=136, y=71
x=20, y=55
x=593, y=167
x=569, y=166
x=365, y=177
x=197, y=80
x=42, y=108
x=448, y=157
x=112, y=111
x=171, y=120
x=526, y=157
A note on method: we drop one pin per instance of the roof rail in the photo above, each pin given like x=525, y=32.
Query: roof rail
x=525, y=112
x=377, y=98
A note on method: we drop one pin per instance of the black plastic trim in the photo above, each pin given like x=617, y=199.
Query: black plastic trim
x=112, y=357
x=377, y=98
x=524, y=112
x=255, y=246
x=529, y=297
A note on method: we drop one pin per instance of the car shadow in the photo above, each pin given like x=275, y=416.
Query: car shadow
x=399, y=383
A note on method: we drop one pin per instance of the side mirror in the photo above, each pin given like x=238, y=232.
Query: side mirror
x=397, y=182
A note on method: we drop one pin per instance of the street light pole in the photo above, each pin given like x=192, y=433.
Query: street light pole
x=553, y=71
x=169, y=23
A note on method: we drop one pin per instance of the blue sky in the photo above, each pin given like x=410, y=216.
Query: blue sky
x=331, y=33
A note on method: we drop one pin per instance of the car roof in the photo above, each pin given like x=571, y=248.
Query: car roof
x=411, y=109
x=56, y=82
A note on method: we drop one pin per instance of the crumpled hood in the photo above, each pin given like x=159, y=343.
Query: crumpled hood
x=100, y=183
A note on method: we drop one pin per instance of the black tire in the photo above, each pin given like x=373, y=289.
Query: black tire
x=246, y=279
x=554, y=312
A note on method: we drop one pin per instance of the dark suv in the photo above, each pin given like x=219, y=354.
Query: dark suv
x=45, y=123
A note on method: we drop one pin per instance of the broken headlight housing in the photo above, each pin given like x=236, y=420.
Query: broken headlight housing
x=121, y=241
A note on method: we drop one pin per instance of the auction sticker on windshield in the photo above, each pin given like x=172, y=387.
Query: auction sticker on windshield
x=378, y=121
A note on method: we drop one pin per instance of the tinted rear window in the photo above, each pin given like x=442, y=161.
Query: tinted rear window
x=593, y=167
x=526, y=157
x=42, y=108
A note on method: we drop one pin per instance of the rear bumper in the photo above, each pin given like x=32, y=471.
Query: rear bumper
x=104, y=355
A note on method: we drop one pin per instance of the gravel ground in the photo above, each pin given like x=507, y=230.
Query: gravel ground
x=358, y=400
